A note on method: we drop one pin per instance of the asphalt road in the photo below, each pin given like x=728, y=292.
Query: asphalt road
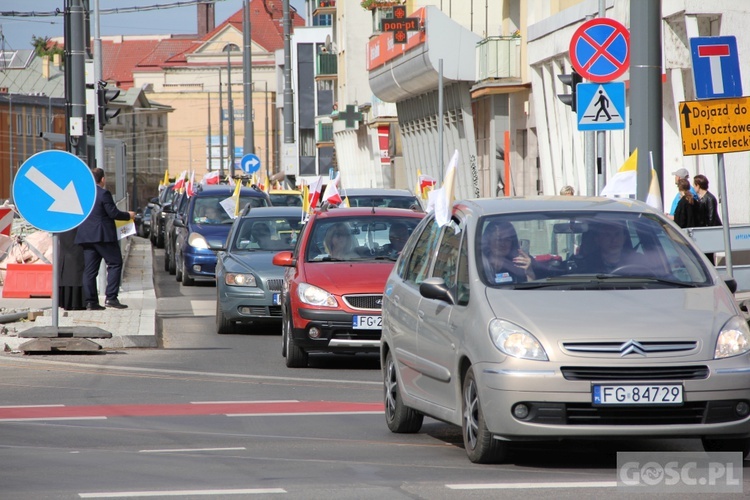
x=221, y=416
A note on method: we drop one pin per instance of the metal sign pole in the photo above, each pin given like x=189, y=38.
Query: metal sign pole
x=725, y=214
x=55, y=279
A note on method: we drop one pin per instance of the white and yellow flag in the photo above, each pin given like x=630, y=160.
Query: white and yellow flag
x=623, y=184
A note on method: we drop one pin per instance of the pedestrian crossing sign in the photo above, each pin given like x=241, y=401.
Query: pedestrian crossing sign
x=601, y=106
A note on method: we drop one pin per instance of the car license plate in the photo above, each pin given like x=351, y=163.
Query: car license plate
x=656, y=394
x=367, y=322
x=277, y=299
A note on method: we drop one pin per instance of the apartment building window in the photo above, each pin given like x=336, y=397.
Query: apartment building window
x=307, y=142
x=19, y=124
x=29, y=126
x=39, y=128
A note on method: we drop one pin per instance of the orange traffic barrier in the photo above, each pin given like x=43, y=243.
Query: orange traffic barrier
x=26, y=281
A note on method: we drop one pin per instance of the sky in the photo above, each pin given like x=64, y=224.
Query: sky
x=18, y=31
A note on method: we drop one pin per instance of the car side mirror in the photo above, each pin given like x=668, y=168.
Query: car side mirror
x=178, y=222
x=284, y=259
x=436, y=289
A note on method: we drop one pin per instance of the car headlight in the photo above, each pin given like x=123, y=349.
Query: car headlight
x=514, y=341
x=239, y=279
x=734, y=339
x=196, y=240
x=315, y=296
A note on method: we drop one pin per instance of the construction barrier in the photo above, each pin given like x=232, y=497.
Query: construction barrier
x=26, y=281
x=6, y=220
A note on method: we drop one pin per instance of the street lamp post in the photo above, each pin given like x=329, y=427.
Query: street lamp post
x=229, y=48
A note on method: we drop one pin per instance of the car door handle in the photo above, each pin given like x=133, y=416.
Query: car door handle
x=420, y=313
x=395, y=299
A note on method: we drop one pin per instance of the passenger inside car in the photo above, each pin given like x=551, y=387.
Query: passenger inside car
x=503, y=259
x=398, y=233
x=609, y=250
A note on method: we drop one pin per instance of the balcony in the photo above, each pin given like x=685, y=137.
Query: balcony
x=326, y=66
x=499, y=57
x=324, y=7
x=324, y=135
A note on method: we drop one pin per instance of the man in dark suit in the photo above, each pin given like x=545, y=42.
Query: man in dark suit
x=98, y=237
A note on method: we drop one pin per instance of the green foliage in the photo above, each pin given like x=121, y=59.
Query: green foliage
x=42, y=47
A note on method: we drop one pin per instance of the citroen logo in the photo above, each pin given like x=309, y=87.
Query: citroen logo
x=632, y=347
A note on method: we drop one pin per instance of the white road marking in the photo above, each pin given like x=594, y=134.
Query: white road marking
x=244, y=402
x=179, y=493
x=192, y=450
x=32, y=406
x=49, y=418
x=525, y=486
x=304, y=413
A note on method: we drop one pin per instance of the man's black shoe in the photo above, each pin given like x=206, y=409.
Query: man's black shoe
x=116, y=304
x=93, y=307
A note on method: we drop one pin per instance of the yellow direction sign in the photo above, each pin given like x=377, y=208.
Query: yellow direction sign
x=715, y=126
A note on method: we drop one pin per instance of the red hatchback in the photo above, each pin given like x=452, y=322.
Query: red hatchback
x=333, y=286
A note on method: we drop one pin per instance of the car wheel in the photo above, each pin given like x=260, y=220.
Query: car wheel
x=223, y=326
x=399, y=417
x=178, y=272
x=172, y=264
x=285, y=328
x=480, y=446
x=295, y=356
x=187, y=280
x=166, y=261
x=741, y=445
x=159, y=239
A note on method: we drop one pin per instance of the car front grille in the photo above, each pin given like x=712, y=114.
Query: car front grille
x=630, y=373
x=644, y=348
x=274, y=285
x=364, y=302
x=695, y=413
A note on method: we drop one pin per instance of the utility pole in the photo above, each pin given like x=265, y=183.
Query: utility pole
x=288, y=95
x=248, y=144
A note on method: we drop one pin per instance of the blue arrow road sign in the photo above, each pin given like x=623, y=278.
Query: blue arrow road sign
x=716, y=67
x=54, y=191
x=601, y=106
x=250, y=163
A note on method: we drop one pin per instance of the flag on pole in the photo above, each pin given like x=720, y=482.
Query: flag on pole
x=441, y=199
x=305, y=200
x=166, y=177
x=210, y=178
x=179, y=182
x=331, y=194
x=623, y=183
x=190, y=190
x=236, y=198
x=314, y=195
x=266, y=183
x=426, y=184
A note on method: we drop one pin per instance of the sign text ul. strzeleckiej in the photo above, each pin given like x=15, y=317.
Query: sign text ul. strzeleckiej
x=715, y=126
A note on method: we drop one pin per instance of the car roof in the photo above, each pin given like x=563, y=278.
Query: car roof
x=284, y=191
x=364, y=211
x=376, y=192
x=487, y=206
x=227, y=190
x=274, y=212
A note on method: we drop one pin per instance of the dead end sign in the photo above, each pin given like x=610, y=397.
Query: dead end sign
x=600, y=50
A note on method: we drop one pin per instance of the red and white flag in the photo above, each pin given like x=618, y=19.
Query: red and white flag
x=190, y=190
x=426, y=184
x=331, y=194
x=210, y=178
x=179, y=182
x=315, y=188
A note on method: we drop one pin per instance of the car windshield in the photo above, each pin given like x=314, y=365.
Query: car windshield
x=384, y=201
x=216, y=210
x=266, y=234
x=285, y=200
x=551, y=248
x=359, y=238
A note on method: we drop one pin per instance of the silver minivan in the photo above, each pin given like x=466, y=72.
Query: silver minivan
x=563, y=317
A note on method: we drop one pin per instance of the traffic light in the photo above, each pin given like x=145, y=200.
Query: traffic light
x=572, y=80
x=104, y=96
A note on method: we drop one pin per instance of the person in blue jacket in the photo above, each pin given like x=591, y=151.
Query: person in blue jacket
x=98, y=237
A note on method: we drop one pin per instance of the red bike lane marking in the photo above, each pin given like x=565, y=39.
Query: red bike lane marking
x=204, y=408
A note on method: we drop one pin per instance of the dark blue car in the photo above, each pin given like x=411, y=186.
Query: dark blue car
x=204, y=228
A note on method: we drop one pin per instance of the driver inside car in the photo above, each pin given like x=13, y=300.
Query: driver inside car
x=611, y=252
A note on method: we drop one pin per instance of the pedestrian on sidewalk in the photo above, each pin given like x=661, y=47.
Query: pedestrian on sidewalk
x=98, y=237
